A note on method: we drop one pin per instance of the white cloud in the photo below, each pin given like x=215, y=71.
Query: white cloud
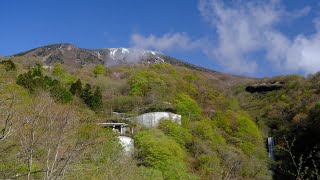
x=304, y=54
x=169, y=41
x=244, y=29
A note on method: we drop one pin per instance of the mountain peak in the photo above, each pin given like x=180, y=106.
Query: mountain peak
x=72, y=55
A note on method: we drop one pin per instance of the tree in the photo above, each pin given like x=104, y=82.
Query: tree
x=303, y=166
x=174, y=130
x=145, y=83
x=60, y=93
x=76, y=88
x=158, y=151
x=187, y=106
x=86, y=94
x=11, y=95
x=9, y=65
x=33, y=79
x=96, y=100
x=99, y=70
x=37, y=71
x=93, y=100
x=57, y=69
x=49, y=139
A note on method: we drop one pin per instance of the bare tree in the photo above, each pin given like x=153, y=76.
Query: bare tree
x=48, y=138
x=300, y=170
x=10, y=97
x=6, y=111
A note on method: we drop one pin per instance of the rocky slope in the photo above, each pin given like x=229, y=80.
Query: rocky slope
x=74, y=56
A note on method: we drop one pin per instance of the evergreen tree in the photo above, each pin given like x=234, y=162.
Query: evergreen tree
x=9, y=65
x=93, y=100
x=60, y=93
x=37, y=71
x=76, y=88
x=86, y=94
x=29, y=80
x=96, y=100
x=34, y=79
x=21, y=80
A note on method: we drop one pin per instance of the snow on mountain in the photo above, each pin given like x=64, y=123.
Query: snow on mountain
x=131, y=55
x=75, y=56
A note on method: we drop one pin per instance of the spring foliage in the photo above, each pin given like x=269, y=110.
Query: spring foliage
x=215, y=141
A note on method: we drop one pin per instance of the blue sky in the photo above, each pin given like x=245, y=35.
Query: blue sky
x=246, y=37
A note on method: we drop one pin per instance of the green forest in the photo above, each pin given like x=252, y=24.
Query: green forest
x=49, y=124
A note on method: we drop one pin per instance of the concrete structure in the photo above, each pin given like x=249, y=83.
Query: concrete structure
x=47, y=67
x=127, y=144
x=149, y=120
x=119, y=127
x=153, y=119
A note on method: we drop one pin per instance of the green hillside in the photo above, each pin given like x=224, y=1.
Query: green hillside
x=49, y=124
x=291, y=115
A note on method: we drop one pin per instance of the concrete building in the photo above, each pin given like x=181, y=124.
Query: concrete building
x=119, y=127
x=153, y=119
x=127, y=143
x=149, y=120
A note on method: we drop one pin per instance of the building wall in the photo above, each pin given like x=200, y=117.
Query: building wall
x=152, y=119
x=127, y=144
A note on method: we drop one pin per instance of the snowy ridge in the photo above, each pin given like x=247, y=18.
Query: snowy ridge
x=130, y=55
x=75, y=56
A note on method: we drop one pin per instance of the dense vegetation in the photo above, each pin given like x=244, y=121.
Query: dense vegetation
x=291, y=115
x=49, y=125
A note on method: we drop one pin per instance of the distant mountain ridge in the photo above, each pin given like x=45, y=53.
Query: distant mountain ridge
x=74, y=56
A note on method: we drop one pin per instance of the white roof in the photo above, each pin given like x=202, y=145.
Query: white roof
x=113, y=124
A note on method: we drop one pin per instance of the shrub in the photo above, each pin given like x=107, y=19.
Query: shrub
x=156, y=150
x=99, y=70
x=9, y=65
x=246, y=129
x=317, y=105
x=188, y=107
x=143, y=83
x=60, y=93
x=76, y=88
x=179, y=134
x=204, y=130
x=57, y=69
x=126, y=103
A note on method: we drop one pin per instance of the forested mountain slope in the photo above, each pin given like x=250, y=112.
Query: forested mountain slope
x=76, y=57
x=290, y=113
x=49, y=124
x=66, y=90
